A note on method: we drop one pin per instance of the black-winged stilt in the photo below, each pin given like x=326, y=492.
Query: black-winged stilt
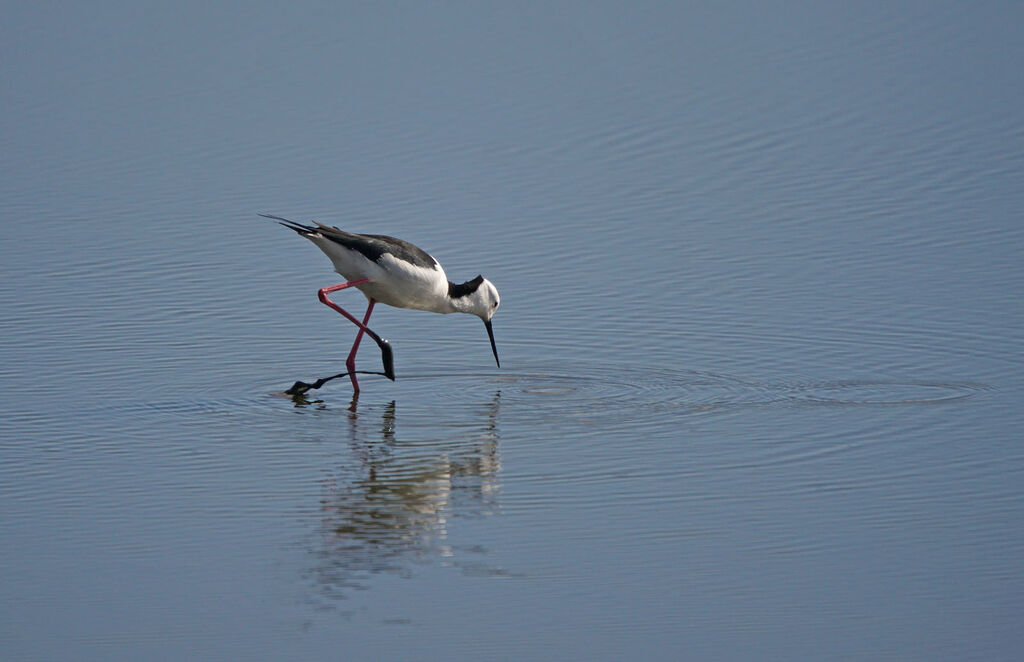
x=394, y=272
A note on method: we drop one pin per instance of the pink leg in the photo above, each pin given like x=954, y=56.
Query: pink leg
x=351, y=362
x=383, y=344
x=323, y=292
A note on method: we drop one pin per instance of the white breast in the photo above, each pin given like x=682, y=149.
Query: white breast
x=403, y=285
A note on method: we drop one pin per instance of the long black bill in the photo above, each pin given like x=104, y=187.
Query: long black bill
x=490, y=334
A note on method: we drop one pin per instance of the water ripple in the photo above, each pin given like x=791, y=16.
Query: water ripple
x=623, y=394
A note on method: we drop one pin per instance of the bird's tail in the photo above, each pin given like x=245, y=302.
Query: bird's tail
x=304, y=230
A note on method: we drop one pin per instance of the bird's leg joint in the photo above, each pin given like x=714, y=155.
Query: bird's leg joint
x=322, y=293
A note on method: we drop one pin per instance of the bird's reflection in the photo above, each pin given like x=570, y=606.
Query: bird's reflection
x=391, y=508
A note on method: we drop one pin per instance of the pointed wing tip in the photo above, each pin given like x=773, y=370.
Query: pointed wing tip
x=291, y=225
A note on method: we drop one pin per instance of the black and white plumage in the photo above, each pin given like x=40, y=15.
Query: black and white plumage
x=397, y=273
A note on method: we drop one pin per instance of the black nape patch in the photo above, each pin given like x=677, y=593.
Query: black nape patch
x=464, y=289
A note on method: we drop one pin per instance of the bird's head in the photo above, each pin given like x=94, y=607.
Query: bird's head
x=486, y=300
x=481, y=299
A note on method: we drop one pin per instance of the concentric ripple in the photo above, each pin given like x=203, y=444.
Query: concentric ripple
x=588, y=393
x=884, y=393
x=623, y=394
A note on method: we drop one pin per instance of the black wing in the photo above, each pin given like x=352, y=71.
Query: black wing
x=371, y=246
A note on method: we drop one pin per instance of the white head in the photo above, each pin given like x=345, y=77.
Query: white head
x=478, y=297
x=486, y=300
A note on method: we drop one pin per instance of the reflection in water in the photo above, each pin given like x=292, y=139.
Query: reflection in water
x=393, y=506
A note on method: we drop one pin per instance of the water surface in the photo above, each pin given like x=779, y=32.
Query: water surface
x=761, y=333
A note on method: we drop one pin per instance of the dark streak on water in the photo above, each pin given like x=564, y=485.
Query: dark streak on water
x=761, y=333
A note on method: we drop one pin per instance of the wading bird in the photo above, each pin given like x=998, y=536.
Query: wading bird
x=394, y=272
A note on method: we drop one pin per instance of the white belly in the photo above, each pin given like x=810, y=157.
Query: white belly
x=394, y=282
x=403, y=285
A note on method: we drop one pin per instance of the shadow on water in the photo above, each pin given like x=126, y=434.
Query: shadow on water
x=389, y=507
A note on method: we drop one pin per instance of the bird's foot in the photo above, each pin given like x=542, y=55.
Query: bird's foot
x=299, y=387
x=389, y=359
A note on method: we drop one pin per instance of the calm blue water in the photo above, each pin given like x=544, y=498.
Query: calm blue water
x=761, y=333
